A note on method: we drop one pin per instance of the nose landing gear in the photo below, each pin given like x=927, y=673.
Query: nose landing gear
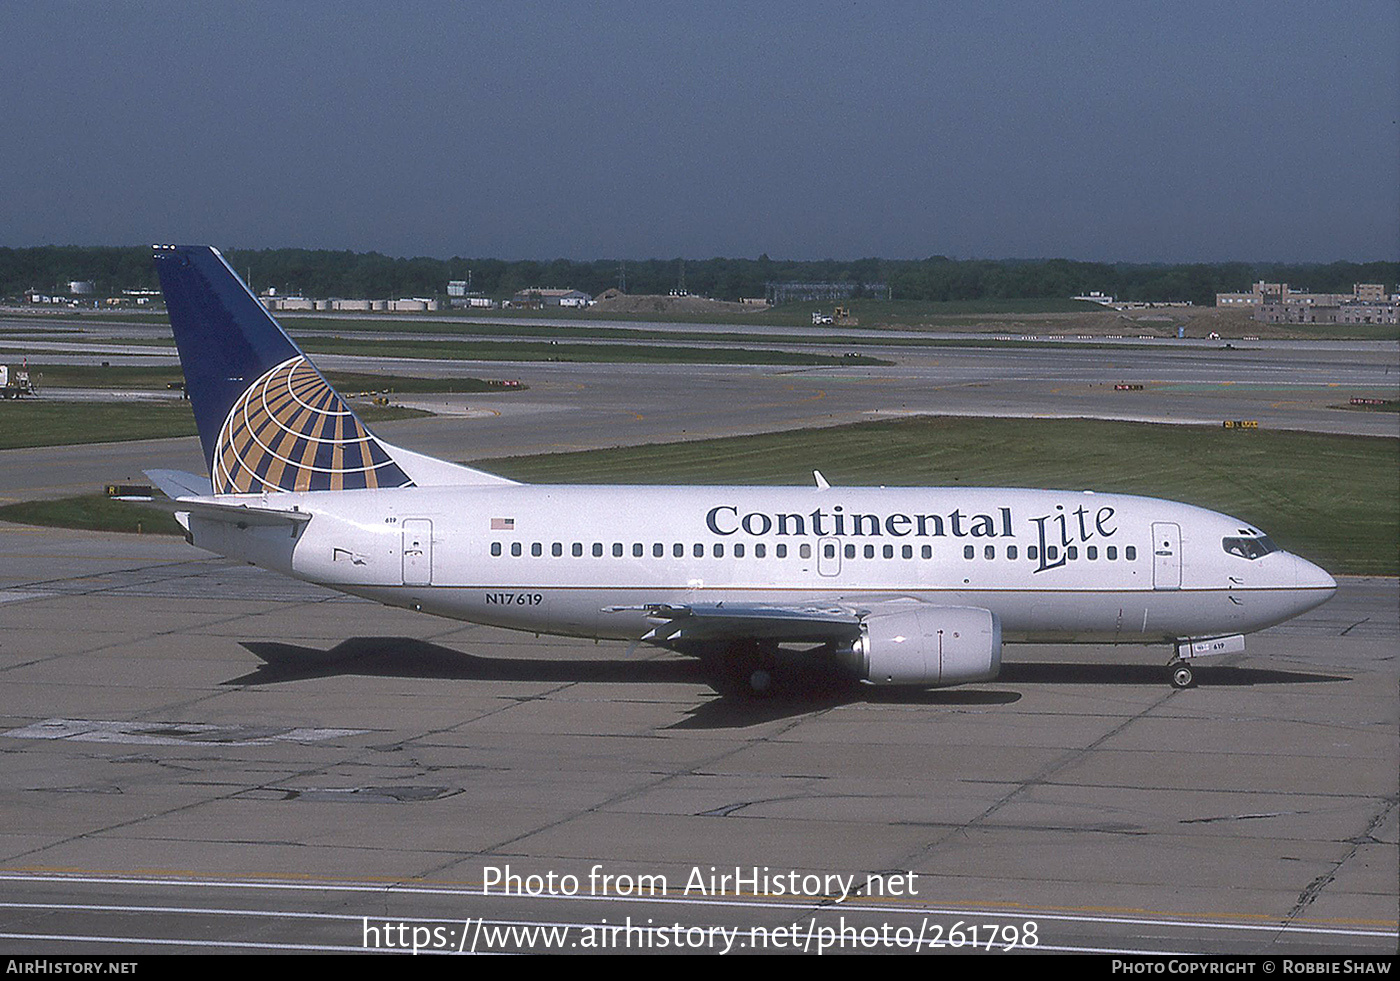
x=1180, y=674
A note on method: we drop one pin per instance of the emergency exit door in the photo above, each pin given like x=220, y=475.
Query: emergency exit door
x=1166, y=555
x=417, y=552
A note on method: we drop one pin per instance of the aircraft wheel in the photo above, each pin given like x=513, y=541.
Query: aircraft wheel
x=760, y=681
x=1181, y=676
x=747, y=670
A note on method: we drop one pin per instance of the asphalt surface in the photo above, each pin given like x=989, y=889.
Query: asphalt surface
x=200, y=755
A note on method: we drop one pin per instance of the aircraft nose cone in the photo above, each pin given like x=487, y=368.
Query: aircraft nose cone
x=1309, y=576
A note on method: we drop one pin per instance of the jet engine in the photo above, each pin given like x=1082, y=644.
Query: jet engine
x=927, y=645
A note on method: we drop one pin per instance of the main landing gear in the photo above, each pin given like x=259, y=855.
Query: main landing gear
x=746, y=668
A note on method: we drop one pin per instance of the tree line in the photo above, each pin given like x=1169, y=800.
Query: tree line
x=362, y=275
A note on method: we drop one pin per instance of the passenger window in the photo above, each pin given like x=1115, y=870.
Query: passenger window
x=1052, y=552
x=738, y=550
x=718, y=551
x=1072, y=552
x=515, y=549
x=698, y=551
x=1130, y=552
x=781, y=551
x=658, y=550
x=760, y=550
x=678, y=550
x=1031, y=552
x=536, y=549
x=869, y=551
x=927, y=551
x=969, y=551
x=850, y=551
x=557, y=549
x=495, y=548
x=1011, y=551
x=888, y=551
x=1111, y=553
x=907, y=551
x=805, y=551
x=1091, y=552
x=617, y=550
x=637, y=550
x=597, y=550
x=989, y=551
x=578, y=549
x=829, y=549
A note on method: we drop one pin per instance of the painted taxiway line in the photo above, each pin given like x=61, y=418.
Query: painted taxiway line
x=820, y=904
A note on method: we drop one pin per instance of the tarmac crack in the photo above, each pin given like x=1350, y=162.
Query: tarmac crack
x=635, y=791
x=1315, y=888
x=1043, y=778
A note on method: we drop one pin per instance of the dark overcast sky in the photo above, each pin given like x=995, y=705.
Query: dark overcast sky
x=1091, y=130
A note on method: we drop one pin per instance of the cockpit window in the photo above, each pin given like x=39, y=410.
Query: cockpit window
x=1249, y=548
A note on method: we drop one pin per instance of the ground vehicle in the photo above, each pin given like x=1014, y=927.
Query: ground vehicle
x=15, y=383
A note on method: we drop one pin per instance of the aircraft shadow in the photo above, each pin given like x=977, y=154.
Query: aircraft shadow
x=1109, y=673
x=803, y=690
x=803, y=696
x=405, y=657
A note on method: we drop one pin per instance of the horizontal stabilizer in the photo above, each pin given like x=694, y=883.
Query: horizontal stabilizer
x=244, y=516
x=176, y=484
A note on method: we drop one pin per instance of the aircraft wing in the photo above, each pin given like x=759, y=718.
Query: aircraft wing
x=674, y=624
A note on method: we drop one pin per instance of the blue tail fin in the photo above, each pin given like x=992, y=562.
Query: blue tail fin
x=267, y=419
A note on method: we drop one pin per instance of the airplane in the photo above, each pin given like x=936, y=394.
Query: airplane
x=917, y=586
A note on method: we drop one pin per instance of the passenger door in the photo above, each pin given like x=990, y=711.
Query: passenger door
x=1166, y=555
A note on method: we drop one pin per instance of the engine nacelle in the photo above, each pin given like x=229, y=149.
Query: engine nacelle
x=928, y=645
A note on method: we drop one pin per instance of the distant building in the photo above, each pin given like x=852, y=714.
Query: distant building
x=777, y=293
x=1094, y=296
x=415, y=304
x=1282, y=293
x=1350, y=312
x=81, y=287
x=273, y=302
x=534, y=298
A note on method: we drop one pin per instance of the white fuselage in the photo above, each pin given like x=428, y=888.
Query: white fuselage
x=1052, y=565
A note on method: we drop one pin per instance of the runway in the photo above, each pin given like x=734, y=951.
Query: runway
x=202, y=756
x=582, y=406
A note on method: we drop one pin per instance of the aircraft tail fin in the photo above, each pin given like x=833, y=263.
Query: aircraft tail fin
x=268, y=420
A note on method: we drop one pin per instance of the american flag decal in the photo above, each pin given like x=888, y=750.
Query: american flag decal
x=502, y=524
